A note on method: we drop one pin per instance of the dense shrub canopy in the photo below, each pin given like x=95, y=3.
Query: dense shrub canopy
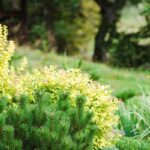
x=52, y=80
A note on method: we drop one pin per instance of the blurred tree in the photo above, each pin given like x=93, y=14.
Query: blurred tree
x=72, y=23
x=58, y=17
x=132, y=49
x=77, y=31
x=14, y=13
x=110, y=14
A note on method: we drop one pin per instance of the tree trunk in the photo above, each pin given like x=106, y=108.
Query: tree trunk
x=110, y=12
x=1, y=4
x=61, y=45
x=108, y=22
x=24, y=12
x=99, y=50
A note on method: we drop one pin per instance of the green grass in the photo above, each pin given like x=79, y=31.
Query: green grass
x=132, y=144
x=135, y=117
x=125, y=83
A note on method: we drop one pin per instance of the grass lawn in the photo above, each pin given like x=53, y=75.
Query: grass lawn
x=125, y=83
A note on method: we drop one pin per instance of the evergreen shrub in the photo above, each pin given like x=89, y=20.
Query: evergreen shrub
x=17, y=81
x=45, y=125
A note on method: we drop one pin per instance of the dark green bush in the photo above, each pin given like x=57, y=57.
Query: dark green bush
x=126, y=52
x=44, y=125
x=39, y=36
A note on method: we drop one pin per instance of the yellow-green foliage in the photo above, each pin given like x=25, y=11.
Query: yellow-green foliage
x=6, y=51
x=54, y=80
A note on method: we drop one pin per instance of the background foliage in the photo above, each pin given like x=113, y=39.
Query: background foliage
x=86, y=28
x=114, y=32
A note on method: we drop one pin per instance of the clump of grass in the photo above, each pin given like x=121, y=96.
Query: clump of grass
x=135, y=117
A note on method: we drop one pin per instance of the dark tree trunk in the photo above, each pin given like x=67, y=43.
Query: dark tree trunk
x=108, y=21
x=24, y=24
x=61, y=45
x=110, y=12
x=99, y=50
x=51, y=15
x=24, y=12
x=1, y=4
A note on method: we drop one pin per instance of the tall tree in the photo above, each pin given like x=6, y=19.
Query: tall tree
x=110, y=14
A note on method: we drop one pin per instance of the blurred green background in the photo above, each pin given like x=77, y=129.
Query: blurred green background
x=108, y=39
